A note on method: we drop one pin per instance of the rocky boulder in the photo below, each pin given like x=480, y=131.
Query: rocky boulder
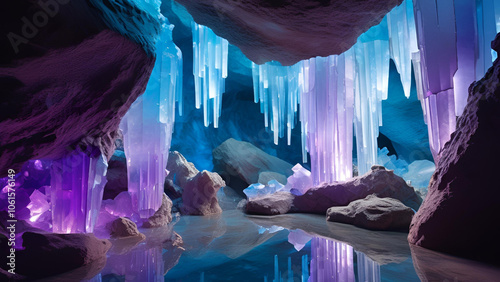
x=373, y=213
x=162, y=216
x=289, y=31
x=180, y=171
x=379, y=182
x=200, y=194
x=460, y=213
x=123, y=227
x=241, y=163
x=50, y=254
x=67, y=77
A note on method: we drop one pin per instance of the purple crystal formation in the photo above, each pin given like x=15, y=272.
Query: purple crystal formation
x=147, y=127
x=452, y=54
x=300, y=181
x=331, y=261
x=77, y=184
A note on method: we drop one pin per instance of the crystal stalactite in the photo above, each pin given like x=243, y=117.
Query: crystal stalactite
x=331, y=261
x=210, y=53
x=147, y=127
x=77, y=185
x=326, y=117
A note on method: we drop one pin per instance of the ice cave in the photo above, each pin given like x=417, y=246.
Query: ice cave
x=245, y=140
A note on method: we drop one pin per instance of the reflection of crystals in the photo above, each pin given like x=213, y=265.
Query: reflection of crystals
x=331, y=261
x=368, y=270
x=298, y=239
x=271, y=230
x=77, y=184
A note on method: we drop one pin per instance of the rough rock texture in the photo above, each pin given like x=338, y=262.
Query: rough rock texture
x=162, y=216
x=373, y=213
x=116, y=176
x=180, y=172
x=379, y=181
x=240, y=163
x=123, y=227
x=460, y=213
x=279, y=203
x=50, y=254
x=68, y=79
x=266, y=176
x=289, y=30
x=200, y=194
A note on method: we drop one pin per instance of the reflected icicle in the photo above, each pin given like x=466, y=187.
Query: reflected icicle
x=210, y=53
x=147, y=127
x=331, y=261
x=368, y=270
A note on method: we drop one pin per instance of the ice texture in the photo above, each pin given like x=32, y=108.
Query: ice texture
x=147, y=127
x=368, y=270
x=77, y=184
x=300, y=181
x=210, y=53
x=331, y=261
x=257, y=189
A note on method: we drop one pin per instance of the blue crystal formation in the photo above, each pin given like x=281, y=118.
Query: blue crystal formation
x=77, y=184
x=147, y=127
x=210, y=53
x=258, y=189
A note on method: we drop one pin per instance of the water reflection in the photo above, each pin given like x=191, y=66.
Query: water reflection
x=331, y=261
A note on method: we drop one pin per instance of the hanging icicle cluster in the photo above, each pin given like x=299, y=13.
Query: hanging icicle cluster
x=210, y=54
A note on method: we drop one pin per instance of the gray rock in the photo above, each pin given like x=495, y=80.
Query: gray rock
x=266, y=176
x=123, y=227
x=378, y=181
x=277, y=203
x=200, y=194
x=373, y=213
x=180, y=172
x=162, y=216
x=240, y=164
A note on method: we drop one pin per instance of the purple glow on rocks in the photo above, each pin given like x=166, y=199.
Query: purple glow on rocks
x=77, y=184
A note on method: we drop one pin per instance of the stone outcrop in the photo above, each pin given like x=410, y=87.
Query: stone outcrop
x=65, y=80
x=123, y=227
x=162, y=216
x=460, y=213
x=200, y=194
x=379, y=182
x=241, y=163
x=373, y=213
x=289, y=31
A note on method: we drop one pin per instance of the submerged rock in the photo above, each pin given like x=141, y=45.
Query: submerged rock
x=379, y=181
x=50, y=254
x=200, y=194
x=460, y=213
x=289, y=31
x=241, y=163
x=373, y=213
